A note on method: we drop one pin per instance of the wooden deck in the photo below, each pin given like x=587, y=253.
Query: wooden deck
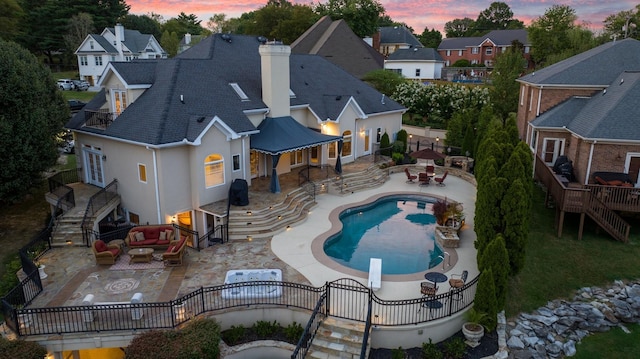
x=600, y=203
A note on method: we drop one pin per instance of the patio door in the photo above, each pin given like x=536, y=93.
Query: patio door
x=367, y=142
x=632, y=167
x=551, y=149
x=94, y=173
x=254, y=159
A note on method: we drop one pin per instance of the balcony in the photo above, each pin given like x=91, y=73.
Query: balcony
x=100, y=119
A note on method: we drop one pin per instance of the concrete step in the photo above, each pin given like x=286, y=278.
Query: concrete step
x=338, y=339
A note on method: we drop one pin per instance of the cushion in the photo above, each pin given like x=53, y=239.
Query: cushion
x=169, y=233
x=601, y=181
x=163, y=236
x=615, y=183
x=152, y=232
x=627, y=184
x=148, y=242
x=139, y=236
x=170, y=249
x=100, y=246
x=132, y=236
x=114, y=251
x=162, y=242
x=456, y=283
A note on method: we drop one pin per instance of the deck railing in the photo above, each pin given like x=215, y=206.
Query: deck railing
x=62, y=178
x=96, y=202
x=310, y=329
x=99, y=119
x=345, y=298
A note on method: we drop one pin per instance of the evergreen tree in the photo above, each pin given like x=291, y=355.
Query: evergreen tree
x=496, y=259
x=170, y=43
x=515, y=215
x=385, y=144
x=402, y=137
x=33, y=112
x=485, y=300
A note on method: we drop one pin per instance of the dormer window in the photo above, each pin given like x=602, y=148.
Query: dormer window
x=243, y=96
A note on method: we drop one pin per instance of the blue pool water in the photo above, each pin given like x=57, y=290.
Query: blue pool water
x=398, y=229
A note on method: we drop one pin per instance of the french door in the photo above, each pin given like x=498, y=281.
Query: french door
x=94, y=172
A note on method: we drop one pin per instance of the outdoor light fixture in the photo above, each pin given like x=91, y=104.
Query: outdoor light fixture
x=249, y=213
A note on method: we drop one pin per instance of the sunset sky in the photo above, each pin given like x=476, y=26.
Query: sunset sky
x=415, y=13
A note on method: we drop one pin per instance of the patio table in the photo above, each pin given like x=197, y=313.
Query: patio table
x=435, y=277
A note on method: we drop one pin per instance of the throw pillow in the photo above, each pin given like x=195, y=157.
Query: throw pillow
x=139, y=236
x=169, y=233
x=100, y=246
x=163, y=236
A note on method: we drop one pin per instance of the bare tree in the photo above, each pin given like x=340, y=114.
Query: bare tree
x=80, y=26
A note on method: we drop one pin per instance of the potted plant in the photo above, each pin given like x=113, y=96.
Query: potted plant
x=440, y=210
x=473, y=328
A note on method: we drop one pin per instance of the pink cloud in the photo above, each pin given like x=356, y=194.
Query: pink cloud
x=416, y=13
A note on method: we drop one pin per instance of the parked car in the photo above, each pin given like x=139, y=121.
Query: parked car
x=69, y=147
x=76, y=105
x=80, y=85
x=65, y=84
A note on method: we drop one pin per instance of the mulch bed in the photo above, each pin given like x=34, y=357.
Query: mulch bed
x=488, y=346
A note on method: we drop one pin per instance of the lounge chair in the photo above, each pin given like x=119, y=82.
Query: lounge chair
x=106, y=253
x=410, y=177
x=440, y=180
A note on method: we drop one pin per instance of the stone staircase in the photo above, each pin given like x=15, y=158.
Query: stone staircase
x=349, y=183
x=338, y=339
x=67, y=231
x=264, y=223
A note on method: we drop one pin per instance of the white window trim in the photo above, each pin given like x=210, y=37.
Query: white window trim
x=558, y=149
x=221, y=161
x=233, y=162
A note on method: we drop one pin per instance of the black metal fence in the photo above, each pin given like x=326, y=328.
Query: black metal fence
x=345, y=298
x=97, y=201
x=62, y=178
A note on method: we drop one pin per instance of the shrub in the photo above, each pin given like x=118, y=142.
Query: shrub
x=397, y=353
x=455, y=348
x=397, y=157
x=402, y=136
x=21, y=349
x=431, y=351
x=233, y=335
x=266, y=329
x=485, y=300
x=385, y=143
x=293, y=332
x=398, y=146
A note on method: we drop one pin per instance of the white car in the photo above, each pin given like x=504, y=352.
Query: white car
x=65, y=84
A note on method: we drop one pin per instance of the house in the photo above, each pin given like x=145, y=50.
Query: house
x=392, y=38
x=418, y=63
x=336, y=42
x=483, y=50
x=587, y=108
x=177, y=132
x=114, y=44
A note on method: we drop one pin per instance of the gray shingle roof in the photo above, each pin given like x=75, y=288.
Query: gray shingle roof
x=335, y=41
x=613, y=115
x=398, y=35
x=201, y=75
x=134, y=40
x=416, y=54
x=136, y=72
x=498, y=37
x=596, y=67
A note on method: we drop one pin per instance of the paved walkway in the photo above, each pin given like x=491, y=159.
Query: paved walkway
x=73, y=273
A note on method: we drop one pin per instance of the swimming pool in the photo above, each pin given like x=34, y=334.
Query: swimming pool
x=399, y=229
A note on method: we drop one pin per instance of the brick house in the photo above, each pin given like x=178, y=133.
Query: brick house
x=483, y=49
x=586, y=108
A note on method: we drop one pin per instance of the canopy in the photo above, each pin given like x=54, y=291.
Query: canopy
x=284, y=134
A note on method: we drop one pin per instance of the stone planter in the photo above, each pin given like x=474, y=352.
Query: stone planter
x=41, y=272
x=473, y=332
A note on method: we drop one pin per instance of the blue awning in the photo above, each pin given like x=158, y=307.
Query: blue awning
x=284, y=134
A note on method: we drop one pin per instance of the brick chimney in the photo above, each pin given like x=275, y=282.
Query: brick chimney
x=274, y=66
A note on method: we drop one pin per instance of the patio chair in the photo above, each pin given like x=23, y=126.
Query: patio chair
x=410, y=177
x=440, y=180
x=431, y=170
x=428, y=291
x=106, y=253
x=458, y=280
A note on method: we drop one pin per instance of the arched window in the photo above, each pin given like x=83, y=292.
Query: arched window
x=214, y=170
x=346, y=147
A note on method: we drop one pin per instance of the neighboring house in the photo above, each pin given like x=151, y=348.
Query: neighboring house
x=336, y=42
x=187, y=41
x=177, y=132
x=416, y=64
x=483, y=50
x=114, y=44
x=587, y=108
x=392, y=38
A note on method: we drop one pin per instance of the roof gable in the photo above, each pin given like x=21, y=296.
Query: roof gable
x=398, y=35
x=609, y=60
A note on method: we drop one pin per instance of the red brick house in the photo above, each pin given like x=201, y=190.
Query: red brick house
x=484, y=49
x=587, y=108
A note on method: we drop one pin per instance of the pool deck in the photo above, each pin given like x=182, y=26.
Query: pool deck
x=72, y=272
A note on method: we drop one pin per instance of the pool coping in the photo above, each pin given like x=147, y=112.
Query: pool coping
x=317, y=244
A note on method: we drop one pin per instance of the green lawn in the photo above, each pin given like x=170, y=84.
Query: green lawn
x=84, y=96
x=612, y=344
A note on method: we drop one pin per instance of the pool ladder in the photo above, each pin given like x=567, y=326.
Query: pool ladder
x=443, y=256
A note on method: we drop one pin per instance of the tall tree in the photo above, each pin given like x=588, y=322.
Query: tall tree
x=496, y=258
x=170, y=43
x=549, y=33
x=182, y=25
x=282, y=21
x=459, y=27
x=33, y=112
x=622, y=24
x=143, y=23
x=10, y=15
x=504, y=93
x=430, y=38
x=361, y=15
x=80, y=25
x=216, y=23
x=498, y=16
